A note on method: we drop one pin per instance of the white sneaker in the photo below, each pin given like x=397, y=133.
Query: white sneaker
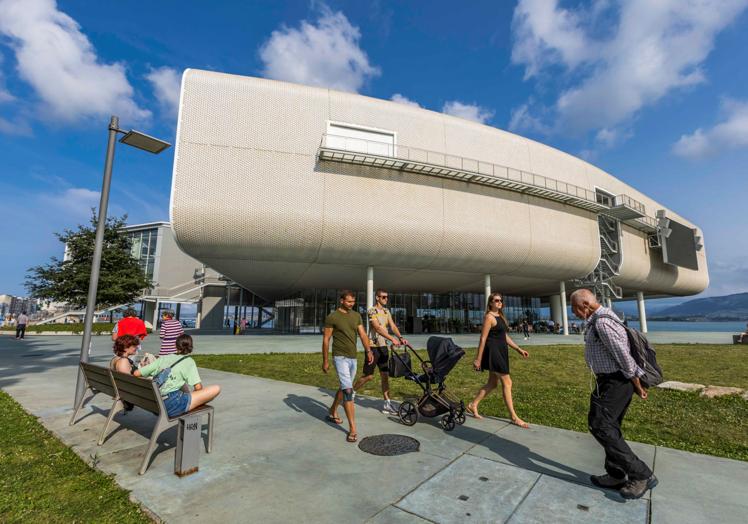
x=388, y=408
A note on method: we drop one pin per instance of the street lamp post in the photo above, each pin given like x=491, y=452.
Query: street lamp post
x=140, y=141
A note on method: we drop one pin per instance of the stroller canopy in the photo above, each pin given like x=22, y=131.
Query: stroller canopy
x=443, y=354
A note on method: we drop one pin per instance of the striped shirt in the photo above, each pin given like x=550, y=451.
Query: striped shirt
x=170, y=330
x=606, y=349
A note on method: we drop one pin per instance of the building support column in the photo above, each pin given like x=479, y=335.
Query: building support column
x=564, y=313
x=642, y=312
x=487, y=286
x=155, y=316
x=369, y=288
x=555, y=307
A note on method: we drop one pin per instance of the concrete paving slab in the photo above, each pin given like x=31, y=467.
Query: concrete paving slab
x=393, y=515
x=559, y=453
x=553, y=500
x=699, y=488
x=471, y=489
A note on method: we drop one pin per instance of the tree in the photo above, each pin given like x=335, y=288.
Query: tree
x=121, y=279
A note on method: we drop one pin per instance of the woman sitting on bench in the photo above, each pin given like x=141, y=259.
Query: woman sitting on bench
x=177, y=398
x=124, y=347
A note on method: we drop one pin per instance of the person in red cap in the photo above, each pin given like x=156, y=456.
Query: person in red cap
x=130, y=325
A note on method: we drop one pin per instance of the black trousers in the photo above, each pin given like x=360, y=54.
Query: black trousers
x=20, y=330
x=608, y=405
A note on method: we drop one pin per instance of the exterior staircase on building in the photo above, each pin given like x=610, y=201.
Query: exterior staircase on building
x=602, y=278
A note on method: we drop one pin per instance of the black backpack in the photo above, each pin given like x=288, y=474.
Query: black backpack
x=642, y=352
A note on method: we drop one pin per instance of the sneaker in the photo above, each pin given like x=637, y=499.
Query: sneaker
x=607, y=481
x=388, y=408
x=635, y=489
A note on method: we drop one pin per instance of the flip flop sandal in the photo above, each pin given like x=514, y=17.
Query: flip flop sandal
x=334, y=420
x=352, y=437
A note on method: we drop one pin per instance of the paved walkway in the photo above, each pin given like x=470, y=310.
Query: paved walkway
x=276, y=460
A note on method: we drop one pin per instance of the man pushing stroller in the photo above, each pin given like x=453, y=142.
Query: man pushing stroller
x=380, y=326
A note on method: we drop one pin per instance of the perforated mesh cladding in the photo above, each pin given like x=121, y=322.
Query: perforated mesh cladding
x=245, y=154
x=468, y=139
x=565, y=240
x=248, y=187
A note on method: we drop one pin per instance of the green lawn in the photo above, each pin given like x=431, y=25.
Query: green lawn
x=42, y=480
x=552, y=388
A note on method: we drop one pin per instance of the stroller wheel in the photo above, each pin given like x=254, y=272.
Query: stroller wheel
x=448, y=422
x=408, y=413
x=460, y=417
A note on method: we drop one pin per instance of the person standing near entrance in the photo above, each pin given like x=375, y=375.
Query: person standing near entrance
x=343, y=325
x=380, y=326
x=21, y=323
x=493, y=356
x=608, y=355
x=170, y=330
x=526, y=328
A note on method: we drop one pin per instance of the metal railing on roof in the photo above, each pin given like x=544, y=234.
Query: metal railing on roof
x=417, y=160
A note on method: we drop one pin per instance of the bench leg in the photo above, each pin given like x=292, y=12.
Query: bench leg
x=78, y=407
x=210, y=431
x=151, y=447
x=116, y=407
x=187, y=454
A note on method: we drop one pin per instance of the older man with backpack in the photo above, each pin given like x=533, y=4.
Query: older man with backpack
x=623, y=364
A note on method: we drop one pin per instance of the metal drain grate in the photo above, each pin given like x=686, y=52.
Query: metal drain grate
x=389, y=445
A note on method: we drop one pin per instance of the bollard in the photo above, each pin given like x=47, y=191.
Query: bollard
x=188, y=446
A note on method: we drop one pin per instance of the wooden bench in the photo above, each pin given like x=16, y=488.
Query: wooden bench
x=144, y=393
x=98, y=380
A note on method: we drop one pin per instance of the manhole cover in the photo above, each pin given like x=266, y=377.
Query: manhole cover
x=389, y=445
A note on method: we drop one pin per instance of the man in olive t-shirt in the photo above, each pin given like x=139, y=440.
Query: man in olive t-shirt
x=343, y=325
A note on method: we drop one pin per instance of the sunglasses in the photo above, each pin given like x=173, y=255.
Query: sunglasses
x=384, y=297
x=498, y=300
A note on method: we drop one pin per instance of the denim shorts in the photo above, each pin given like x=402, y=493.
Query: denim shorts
x=177, y=402
x=346, y=368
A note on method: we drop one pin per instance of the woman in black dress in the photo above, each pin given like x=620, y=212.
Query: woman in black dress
x=493, y=356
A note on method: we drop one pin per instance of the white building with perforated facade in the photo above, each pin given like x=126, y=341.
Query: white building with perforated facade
x=287, y=188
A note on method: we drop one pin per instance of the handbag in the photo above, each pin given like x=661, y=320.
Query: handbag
x=163, y=375
x=399, y=363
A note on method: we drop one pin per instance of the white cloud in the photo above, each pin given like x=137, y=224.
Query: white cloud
x=166, y=83
x=400, y=99
x=58, y=60
x=468, y=111
x=727, y=275
x=545, y=34
x=73, y=203
x=731, y=133
x=18, y=127
x=653, y=49
x=5, y=95
x=522, y=120
x=325, y=53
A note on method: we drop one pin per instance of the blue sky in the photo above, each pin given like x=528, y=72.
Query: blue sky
x=655, y=93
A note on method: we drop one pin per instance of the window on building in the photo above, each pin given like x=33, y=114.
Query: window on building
x=360, y=139
x=604, y=198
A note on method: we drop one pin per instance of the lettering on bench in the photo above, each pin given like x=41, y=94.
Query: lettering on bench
x=192, y=426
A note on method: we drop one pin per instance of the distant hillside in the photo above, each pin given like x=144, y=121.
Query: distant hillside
x=728, y=307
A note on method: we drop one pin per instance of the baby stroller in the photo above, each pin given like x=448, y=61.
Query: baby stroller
x=436, y=400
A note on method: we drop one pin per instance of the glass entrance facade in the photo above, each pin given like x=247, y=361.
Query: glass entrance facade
x=413, y=312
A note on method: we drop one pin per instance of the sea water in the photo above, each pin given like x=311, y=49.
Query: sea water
x=669, y=325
